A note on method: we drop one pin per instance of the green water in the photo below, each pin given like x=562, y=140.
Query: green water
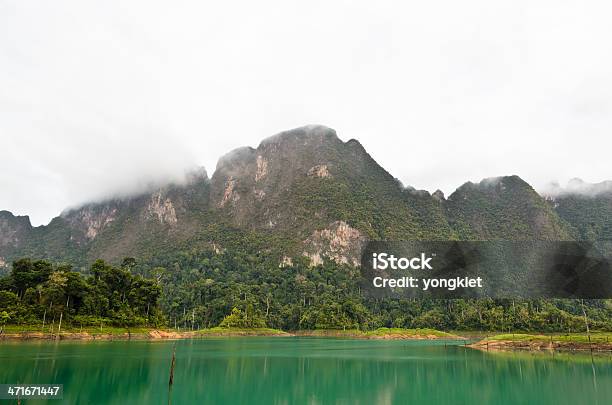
x=304, y=371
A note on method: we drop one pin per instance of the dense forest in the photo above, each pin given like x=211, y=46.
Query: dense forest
x=232, y=288
x=38, y=291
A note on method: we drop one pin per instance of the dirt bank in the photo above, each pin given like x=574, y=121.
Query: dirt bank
x=538, y=345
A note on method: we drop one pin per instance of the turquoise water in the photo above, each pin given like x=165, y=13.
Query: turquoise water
x=304, y=371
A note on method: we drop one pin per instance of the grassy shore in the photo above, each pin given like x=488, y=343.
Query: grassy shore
x=600, y=341
x=219, y=331
x=92, y=330
x=25, y=332
x=381, y=333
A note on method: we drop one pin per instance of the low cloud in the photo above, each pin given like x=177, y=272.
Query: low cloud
x=578, y=187
x=104, y=98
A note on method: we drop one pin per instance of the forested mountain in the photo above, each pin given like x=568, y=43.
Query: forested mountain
x=588, y=207
x=302, y=192
x=276, y=232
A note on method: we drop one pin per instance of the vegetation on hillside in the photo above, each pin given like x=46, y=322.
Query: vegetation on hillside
x=37, y=292
x=590, y=215
x=241, y=289
x=505, y=208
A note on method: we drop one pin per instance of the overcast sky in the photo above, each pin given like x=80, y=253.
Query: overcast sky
x=99, y=99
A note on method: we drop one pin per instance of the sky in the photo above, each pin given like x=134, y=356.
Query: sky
x=102, y=98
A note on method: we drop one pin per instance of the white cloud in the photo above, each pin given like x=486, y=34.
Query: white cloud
x=97, y=98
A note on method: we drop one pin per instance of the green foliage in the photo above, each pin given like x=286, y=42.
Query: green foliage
x=590, y=215
x=246, y=319
x=505, y=208
x=200, y=288
x=4, y=318
x=244, y=288
x=37, y=291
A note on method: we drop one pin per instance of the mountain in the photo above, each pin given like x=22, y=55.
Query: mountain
x=15, y=233
x=321, y=194
x=588, y=207
x=504, y=208
x=110, y=229
x=302, y=192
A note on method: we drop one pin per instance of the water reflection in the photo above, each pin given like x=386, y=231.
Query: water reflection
x=305, y=370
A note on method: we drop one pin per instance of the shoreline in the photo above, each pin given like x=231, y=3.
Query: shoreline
x=382, y=334
x=534, y=343
x=601, y=342
x=168, y=334
x=151, y=334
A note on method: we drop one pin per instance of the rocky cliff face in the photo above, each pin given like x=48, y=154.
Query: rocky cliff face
x=111, y=229
x=15, y=233
x=303, y=192
x=302, y=183
x=14, y=230
x=86, y=222
x=339, y=242
x=252, y=185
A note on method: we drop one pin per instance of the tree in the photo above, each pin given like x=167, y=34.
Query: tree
x=4, y=318
x=128, y=263
x=240, y=319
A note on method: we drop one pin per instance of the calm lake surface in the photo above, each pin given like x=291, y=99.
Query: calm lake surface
x=304, y=371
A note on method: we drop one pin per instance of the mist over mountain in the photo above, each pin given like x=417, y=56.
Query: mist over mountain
x=303, y=193
x=578, y=187
x=588, y=207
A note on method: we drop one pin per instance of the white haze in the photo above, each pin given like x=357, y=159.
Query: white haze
x=577, y=186
x=102, y=98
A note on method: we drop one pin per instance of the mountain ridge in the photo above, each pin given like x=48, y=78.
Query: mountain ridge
x=301, y=192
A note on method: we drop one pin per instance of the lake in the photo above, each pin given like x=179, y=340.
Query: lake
x=295, y=370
